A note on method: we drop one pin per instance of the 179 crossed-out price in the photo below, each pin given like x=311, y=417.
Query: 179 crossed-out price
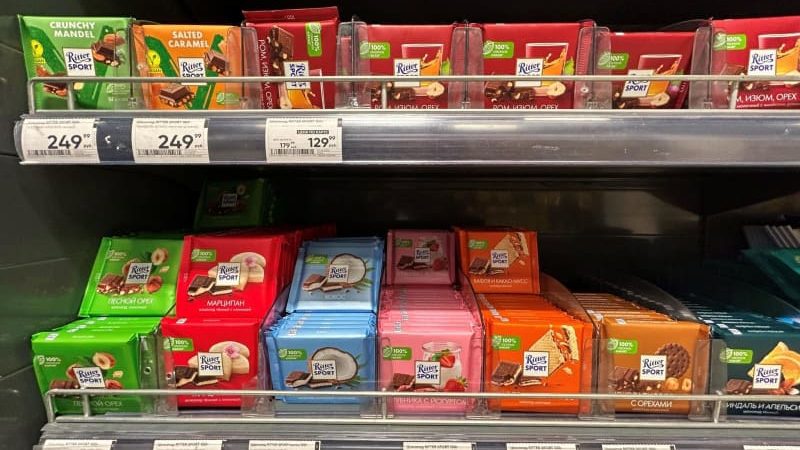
x=66, y=141
x=177, y=140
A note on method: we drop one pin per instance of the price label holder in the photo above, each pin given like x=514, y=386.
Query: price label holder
x=771, y=447
x=193, y=444
x=284, y=445
x=441, y=445
x=304, y=140
x=170, y=141
x=60, y=141
x=638, y=447
x=77, y=444
x=540, y=446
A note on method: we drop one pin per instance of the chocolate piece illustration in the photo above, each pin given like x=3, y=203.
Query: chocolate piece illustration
x=506, y=373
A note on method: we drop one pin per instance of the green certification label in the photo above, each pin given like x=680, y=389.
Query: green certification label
x=724, y=41
x=736, y=356
x=477, y=244
x=402, y=243
x=500, y=342
x=204, y=255
x=316, y=259
x=292, y=354
x=374, y=50
x=623, y=346
x=314, y=39
x=396, y=353
x=181, y=344
x=498, y=49
x=613, y=61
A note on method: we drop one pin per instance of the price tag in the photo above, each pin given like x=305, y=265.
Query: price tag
x=284, y=445
x=307, y=140
x=441, y=445
x=87, y=444
x=540, y=446
x=206, y=444
x=59, y=141
x=771, y=447
x=638, y=447
x=170, y=141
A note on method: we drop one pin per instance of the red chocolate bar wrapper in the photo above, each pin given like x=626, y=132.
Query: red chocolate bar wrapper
x=404, y=50
x=300, y=42
x=231, y=342
x=664, y=53
x=531, y=49
x=253, y=264
x=763, y=46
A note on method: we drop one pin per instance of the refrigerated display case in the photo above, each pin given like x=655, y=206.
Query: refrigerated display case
x=648, y=193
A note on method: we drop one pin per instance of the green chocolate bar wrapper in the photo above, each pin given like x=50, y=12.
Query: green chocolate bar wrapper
x=78, y=46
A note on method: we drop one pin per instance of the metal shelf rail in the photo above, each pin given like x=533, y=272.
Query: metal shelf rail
x=702, y=138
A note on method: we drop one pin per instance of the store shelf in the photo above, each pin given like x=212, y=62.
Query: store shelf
x=575, y=138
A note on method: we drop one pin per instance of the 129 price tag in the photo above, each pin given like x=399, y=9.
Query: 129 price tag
x=170, y=141
x=308, y=140
x=59, y=141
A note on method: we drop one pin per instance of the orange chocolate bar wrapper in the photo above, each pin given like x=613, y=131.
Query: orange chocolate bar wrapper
x=500, y=260
x=189, y=51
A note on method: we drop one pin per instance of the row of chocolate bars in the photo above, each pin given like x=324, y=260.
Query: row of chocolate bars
x=312, y=42
x=297, y=310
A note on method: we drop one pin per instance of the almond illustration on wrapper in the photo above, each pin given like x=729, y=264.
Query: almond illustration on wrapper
x=555, y=90
x=113, y=384
x=159, y=256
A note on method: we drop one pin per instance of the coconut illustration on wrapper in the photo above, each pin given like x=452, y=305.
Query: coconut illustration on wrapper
x=346, y=364
x=345, y=270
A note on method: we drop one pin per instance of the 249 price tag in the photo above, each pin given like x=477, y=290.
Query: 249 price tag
x=308, y=140
x=67, y=141
x=170, y=141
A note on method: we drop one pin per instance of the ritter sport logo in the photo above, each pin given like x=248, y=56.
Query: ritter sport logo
x=427, y=372
x=767, y=376
x=653, y=368
x=535, y=364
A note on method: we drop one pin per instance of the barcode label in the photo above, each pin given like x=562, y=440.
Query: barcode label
x=442, y=445
x=70, y=141
x=284, y=445
x=308, y=140
x=72, y=444
x=170, y=141
x=204, y=444
x=540, y=446
x=638, y=447
x=771, y=447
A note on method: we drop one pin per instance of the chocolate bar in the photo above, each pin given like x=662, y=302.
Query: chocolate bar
x=175, y=95
x=402, y=381
x=738, y=387
x=281, y=48
x=530, y=381
x=623, y=379
x=420, y=266
x=110, y=283
x=405, y=262
x=478, y=266
x=327, y=287
x=105, y=53
x=59, y=89
x=216, y=62
x=184, y=375
x=127, y=289
x=507, y=90
x=317, y=384
x=64, y=384
x=297, y=378
x=506, y=373
x=200, y=285
x=221, y=290
x=205, y=381
x=314, y=281
x=426, y=388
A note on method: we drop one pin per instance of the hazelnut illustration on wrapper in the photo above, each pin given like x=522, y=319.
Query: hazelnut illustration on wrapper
x=104, y=360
